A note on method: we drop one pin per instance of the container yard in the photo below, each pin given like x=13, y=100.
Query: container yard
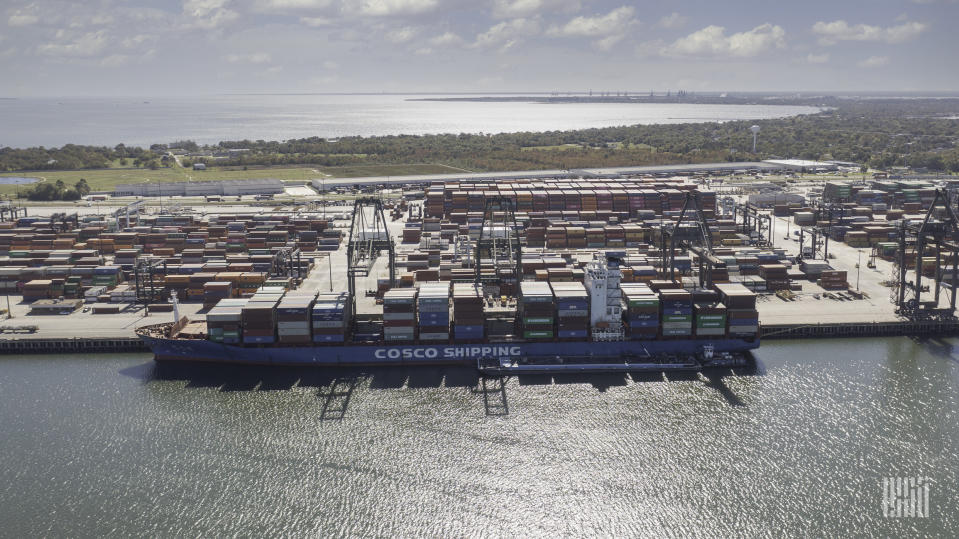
x=554, y=263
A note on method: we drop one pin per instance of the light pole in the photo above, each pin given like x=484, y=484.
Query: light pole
x=858, y=259
x=329, y=258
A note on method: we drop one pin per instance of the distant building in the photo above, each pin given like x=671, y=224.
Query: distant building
x=199, y=166
x=202, y=188
x=803, y=165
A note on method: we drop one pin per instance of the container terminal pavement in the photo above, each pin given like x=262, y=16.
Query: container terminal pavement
x=223, y=256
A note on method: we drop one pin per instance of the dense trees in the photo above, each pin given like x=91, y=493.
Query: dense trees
x=58, y=191
x=71, y=157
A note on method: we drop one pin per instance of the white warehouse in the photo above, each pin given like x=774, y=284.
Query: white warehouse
x=202, y=188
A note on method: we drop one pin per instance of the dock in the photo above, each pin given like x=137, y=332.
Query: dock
x=804, y=309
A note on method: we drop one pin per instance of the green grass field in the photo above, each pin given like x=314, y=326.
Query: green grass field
x=106, y=179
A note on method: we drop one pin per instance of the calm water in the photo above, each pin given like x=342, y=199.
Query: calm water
x=108, y=121
x=113, y=446
x=14, y=180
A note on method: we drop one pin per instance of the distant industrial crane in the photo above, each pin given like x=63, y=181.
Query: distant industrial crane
x=940, y=227
x=697, y=234
x=499, y=243
x=368, y=237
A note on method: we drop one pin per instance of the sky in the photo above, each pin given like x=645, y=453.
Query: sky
x=204, y=47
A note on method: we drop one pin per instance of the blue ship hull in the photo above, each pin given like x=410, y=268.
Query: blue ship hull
x=639, y=352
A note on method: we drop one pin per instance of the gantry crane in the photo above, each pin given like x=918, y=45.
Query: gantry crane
x=697, y=239
x=499, y=243
x=939, y=228
x=369, y=236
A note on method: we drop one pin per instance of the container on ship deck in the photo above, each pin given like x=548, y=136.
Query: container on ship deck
x=736, y=296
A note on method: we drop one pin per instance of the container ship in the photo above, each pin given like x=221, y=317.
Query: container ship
x=598, y=325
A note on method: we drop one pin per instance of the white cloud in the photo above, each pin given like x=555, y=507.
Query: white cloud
x=252, y=58
x=616, y=21
x=448, y=39
x=209, y=13
x=282, y=5
x=512, y=9
x=24, y=17
x=874, y=61
x=673, y=20
x=316, y=22
x=385, y=8
x=817, y=58
x=115, y=60
x=713, y=41
x=89, y=44
x=402, y=35
x=331, y=65
x=507, y=34
x=833, y=32
x=610, y=28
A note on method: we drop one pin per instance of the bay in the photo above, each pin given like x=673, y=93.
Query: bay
x=112, y=445
x=207, y=120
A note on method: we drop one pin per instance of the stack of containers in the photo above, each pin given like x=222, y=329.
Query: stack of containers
x=10, y=277
x=677, y=318
x=259, y=318
x=433, y=311
x=742, y=317
x=293, y=317
x=399, y=314
x=107, y=276
x=710, y=319
x=775, y=275
x=641, y=311
x=331, y=317
x=834, y=280
x=837, y=192
x=572, y=310
x=555, y=237
x=536, y=309
x=37, y=289
x=468, y=318
x=214, y=291
x=224, y=321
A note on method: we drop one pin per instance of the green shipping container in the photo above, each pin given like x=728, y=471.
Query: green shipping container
x=539, y=320
x=643, y=302
x=708, y=325
x=537, y=334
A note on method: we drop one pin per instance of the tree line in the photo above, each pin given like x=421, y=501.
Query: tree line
x=58, y=191
x=76, y=157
